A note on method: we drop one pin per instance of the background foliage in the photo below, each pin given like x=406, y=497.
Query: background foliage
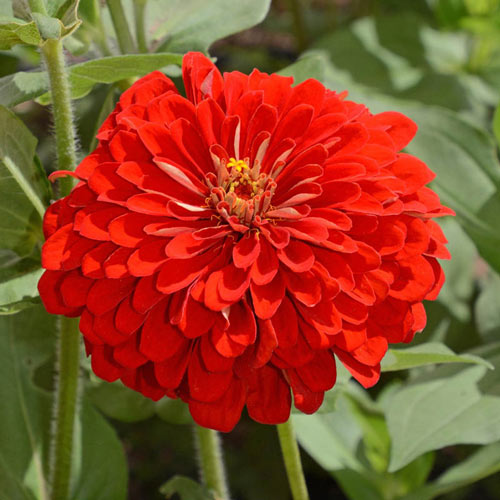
x=431, y=428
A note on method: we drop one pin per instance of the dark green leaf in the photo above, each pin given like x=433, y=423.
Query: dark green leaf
x=496, y=124
x=426, y=354
x=196, y=24
x=186, y=488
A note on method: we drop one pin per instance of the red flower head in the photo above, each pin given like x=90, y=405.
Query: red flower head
x=226, y=247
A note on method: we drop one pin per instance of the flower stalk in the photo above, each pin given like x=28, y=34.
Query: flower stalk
x=68, y=345
x=140, y=31
x=209, y=451
x=122, y=30
x=293, y=465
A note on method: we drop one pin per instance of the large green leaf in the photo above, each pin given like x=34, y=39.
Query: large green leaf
x=444, y=407
x=27, y=341
x=23, y=86
x=19, y=292
x=196, y=24
x=426, y=354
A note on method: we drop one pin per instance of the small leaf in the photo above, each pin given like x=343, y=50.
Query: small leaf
x=16, y=31
x=426, y=354
x=186, y=488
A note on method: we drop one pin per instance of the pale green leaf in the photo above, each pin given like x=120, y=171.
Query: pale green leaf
x=434, y=412
x=426, y=354
x=487, y=308
x=16, y=31
x=19, y=292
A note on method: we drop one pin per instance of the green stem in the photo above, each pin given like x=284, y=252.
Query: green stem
x=140, y=32
x=68, y=344
x=297, y=11
x=122, y=30
x=65, y=408
x=60, y=93
x=293, y=465
x=211, y=464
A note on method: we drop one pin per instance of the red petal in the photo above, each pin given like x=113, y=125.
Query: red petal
x=266, y=266
x=320, y=373
x=246, y=251
x=204, y=385
x=298, y=256
x=242, y=328
x=223, y=414
x=268, y=399
x=170, y=372
x=304, y=399
x=367, y=376
x=267, y=298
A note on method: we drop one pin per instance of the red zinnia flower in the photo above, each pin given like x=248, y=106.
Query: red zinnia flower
x=226, y=247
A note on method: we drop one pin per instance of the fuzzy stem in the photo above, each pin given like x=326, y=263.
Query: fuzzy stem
x=60, y=93
x=140, y=32
x=122, y=30
x=68, y=344
x=293, y=465
x=65, y=408
x=211, y=464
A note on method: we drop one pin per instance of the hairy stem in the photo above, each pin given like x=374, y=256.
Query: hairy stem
x=210, y=458
x=65, y=408
x=68, y=344
x=140, y=31
x=60, y=93
x=293, y=465
x=122, y=30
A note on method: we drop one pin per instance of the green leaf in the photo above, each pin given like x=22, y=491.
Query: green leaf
x=19, y=292
x=16, y=31
x=332, y=439
x=100, y=464
x=121, y=403
x=186, y=488
x=23, y=86
x=173, y=411
x=27, y=341
x=484, y=462
x=24, y=194
x=459, y=270
x=426, y=354
x=196, y=24
x=441, y=410
x=487, y=309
